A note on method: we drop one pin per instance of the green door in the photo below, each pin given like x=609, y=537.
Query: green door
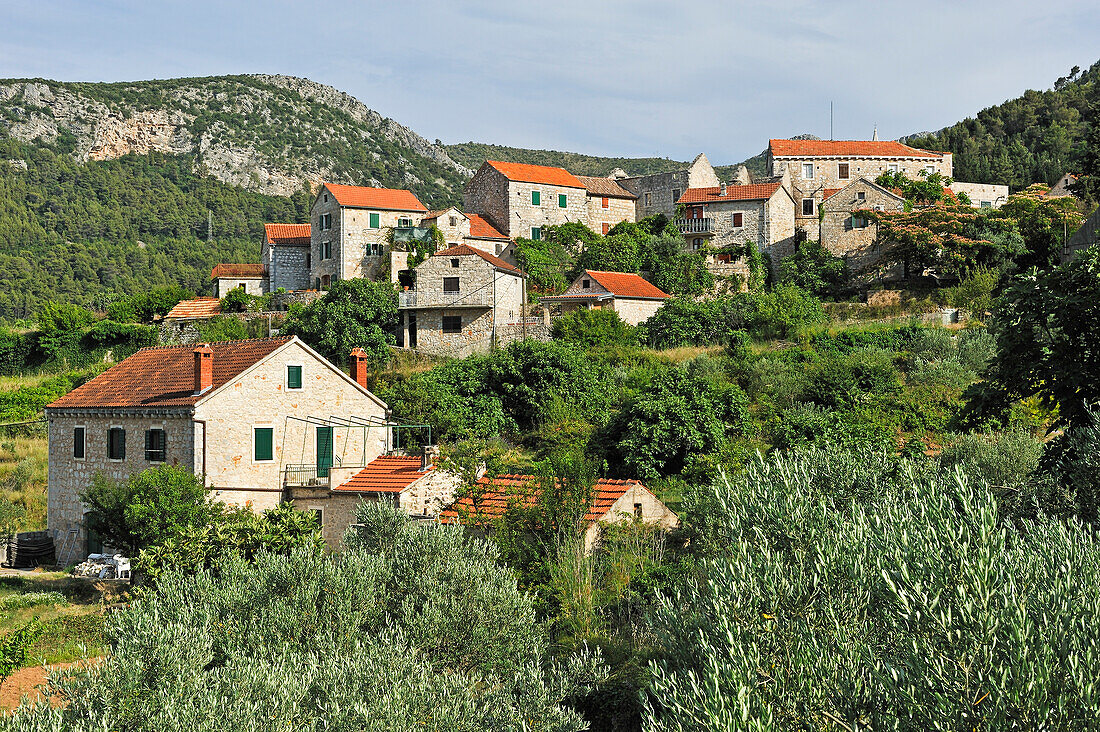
x=324, y=451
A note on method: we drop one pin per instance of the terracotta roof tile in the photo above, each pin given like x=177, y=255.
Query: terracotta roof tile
x=480, y=228
x=624, y=284
x=754, y=192
x=381, y=198
x=829, y=192
x=460, y=250
x=237, y=270
x=288, y=234
x=200, y=307
x=524, y=173
x=385, y=474
x=847, y=149
x=437, y=214
x=165, y=377
x=604, y=187
x=504, y=491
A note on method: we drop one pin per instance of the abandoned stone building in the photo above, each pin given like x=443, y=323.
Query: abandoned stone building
x=847, y=234
x=462, y=300
x=458, y=227
x=252, y=278
x=521, y=200
x=199, y=308
x=1087, y=236
x=253, y=418
x=608, y=203
x=286, y=255
x=628, y=294
x=658, y=193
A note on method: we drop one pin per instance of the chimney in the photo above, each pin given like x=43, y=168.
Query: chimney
x=431, y=452
x=721, y=189
x=204, y=368
x=358, y=359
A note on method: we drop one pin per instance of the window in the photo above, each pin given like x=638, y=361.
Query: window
x=309, y=259
x=374, y=221
x=455, y=262
x=648, y=199
x=325, y=280
x=675, y=195
x=293, y=377
x=326, y=198
x=930, y=169
x=242, y=286
x=263, y=444
x=536, y=198
x=861, y=195
x=738, y=220
x=858, y=223
x=326, y=249
x=563, y=201
x=637, y=510
x=116, y=444
x=892, y=168
x=807, y=170
x=842, y=171
x=319, y=515
x=536, y=233
x=606, y=228
x=155, y=445
x=404, y=223
x=725, y=258
x=376, y=250
x=450, y=284
x=807, y=207
x=452, y=323
x=604, y=202
x=326, y=222
x=78, y=442
x=986, y=204
x=697, y=243
x=586, y=284
x=453, y=221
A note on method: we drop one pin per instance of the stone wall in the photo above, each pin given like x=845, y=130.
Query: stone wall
x=618, y=209
x=288, y=268
x=657, y=194
x=428, y=495
x=254, y=286
x=455, y=234
x=633, y=311
x=840, y=235
x=357, y=248
x=487, y=194
x=780, y=213
x=634, y=501
x=338, y=509
x=982, y=195
x=525, y=216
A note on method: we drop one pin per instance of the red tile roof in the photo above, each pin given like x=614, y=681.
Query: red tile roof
x=460, y=250
x=829, y=192
x=505, y=491
x=480, y=228
x=624, y=284
x=382, y=198
x=604, y=187
x=200, y=307
x=237, y=270
x=165, y=377
x=385, y=474
x=754, y=192
x=288, y=234
x=524, y=173
x=847, y=149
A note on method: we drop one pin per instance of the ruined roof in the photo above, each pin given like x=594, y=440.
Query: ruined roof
x=525, y=173
x=288, y=234
x=165, y=377
x=754, y=192
x=604, y=187
x=480, y=228
x=386, y=474
x=504, y=491
x=847, y=149
x=392, y=199
x=200, y=307
x=237, y=270
x=460, y=250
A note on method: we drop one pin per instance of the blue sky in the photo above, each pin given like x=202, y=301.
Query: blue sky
x=607, y=77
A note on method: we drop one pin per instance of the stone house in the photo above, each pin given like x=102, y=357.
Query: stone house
x=608, y=203
x=658, y=193
x=470, y=229
x=629, y=295
x=847, y=234
x=349, y=231
x=252, y=278
x=981, y=195
x=1062, y=187
x=463, y=300
x=1086, y=236
x=613, y=501
x=817, y=165
x=199, y=308
x=521, y=200
x=286, y=255
x=251, y=417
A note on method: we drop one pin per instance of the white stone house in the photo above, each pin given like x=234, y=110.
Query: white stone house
x=981, y=195
x=252, y=278
x=286, y=255
x=253, y=418
x=521, y=200
x=629, y=295
x=463, y=300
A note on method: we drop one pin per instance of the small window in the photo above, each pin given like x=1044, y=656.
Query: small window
x=807, y=207
x=738, y=220
x=842, y=171
x=986, y=204
x=862, y=196
x=155, y=445
x=697, y=244
x=452, y=323
x=78, y=442
x=116, y=444
x=892, y=168
x=309, y=259
x=930, y=169
x=450, y=284
x=536, y=233
x=294, y=377
x=807, y=170
x=563, y=201
x=455, y=262
x=326, y=221
x=453, y=221
x=319, y=516
x=586, y=284
x=606, y=228
x=605, y=202
x=325, y=280
x=326, y=198
x=374, y=221
x=263, y=444
x=326, y=250
x=404, y=223
x=675, y=195
x=536, y=198
x=858, y=223
x=648, y=199
x=637, y=510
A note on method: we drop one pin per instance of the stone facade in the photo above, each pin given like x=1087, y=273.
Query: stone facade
x=586, y=293
x=252, y=285
x=982, y=195
x=510, y=204
x=606, y=211
x=658, y=193
x=637, y=503
x=850, y=236
x=288, y=267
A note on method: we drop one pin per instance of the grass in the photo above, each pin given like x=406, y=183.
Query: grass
x=23, y=477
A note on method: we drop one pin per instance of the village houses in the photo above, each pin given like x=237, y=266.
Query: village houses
x=470, y=229
x=658, y=193
x=632, y=297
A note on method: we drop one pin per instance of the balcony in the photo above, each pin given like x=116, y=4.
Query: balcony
x=482, y=297
x=695, y=226
x=305, y=476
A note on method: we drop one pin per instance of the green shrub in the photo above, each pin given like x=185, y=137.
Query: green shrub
x=594, y=328
x=31, y=599
x=975, y=292
x=785, y=311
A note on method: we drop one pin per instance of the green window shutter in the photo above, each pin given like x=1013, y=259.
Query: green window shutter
x=294, y=377
x=562, y=201
x=536, y=198
x=536, y=233
x=263, y=438
x=374, y=221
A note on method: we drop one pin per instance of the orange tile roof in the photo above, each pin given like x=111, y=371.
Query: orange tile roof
x=385, y=474
x=382, y=198
x=200, y=307
x=437, y=214
x=604, y=187
x=480, y=228
x=829, y=192
x=288, y=234
x=504, y=491
x=753, y=192
x=847, y=149
x=165, y=377
x=624, y=284
x=237, y=270
x=524, y=173
x=460, y=250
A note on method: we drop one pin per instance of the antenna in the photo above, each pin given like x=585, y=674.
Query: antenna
x=830, y=119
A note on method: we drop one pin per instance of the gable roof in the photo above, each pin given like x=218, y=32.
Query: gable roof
x=392, y=199
x=480, y=228
x=165, y=377
x=287, y=234
x=237, y=270
x=604, y=187
x=830, y=192
x=503, y=491
x=753, y=192
x=460, y=250
x=524, y=173
x=847, y=149
x=625, y=284
x=200, y=307
x=386, y=474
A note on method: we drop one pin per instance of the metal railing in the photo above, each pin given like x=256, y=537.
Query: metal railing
x=694, y=226
x=406, y=299
x=414, y=299
x=305, y=476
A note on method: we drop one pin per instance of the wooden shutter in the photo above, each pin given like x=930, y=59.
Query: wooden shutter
x=563, y=202
x=264, y=443
x=536, y=198
x=294, y=377
x=604, y=202
x=738, y=219
x=374, y=224
x=606, y=228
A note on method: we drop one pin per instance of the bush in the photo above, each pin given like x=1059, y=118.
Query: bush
x=594, y=328
x=814, y=269
x=237, y=300
x=143, y=306
x=785, y=311
x=975, y=292
x=1007, y=462
x=354, y=313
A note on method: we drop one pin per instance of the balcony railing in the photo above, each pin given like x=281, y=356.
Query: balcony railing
x=694, y=226
x=437, y=299
x=305, y=476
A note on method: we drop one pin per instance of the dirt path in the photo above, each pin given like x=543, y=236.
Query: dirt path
x=26, y=681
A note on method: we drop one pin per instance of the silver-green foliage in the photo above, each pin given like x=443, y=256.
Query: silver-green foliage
x=900, y=601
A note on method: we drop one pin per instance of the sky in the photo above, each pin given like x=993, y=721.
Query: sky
x=604, y=77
